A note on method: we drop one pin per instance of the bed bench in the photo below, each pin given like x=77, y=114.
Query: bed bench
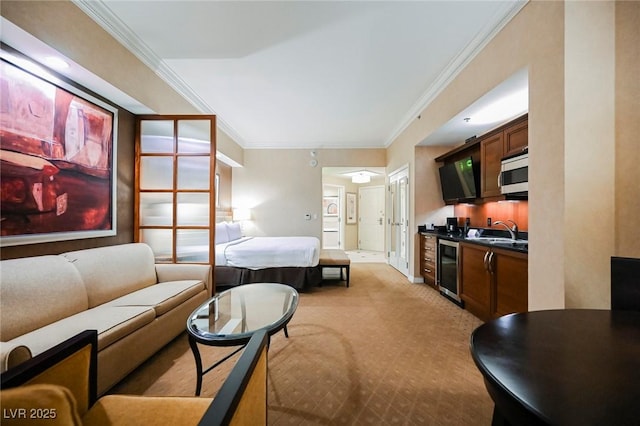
x=331, y=258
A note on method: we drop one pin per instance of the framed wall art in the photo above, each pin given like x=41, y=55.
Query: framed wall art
x=57, y=153
x=351, y=208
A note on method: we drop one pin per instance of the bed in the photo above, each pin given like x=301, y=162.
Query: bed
x=244, y=260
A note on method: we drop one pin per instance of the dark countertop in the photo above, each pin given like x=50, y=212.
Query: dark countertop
x=520, y=248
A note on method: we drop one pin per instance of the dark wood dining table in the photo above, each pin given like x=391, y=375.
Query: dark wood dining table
x=561, y=367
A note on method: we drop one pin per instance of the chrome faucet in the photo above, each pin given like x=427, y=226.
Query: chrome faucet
x=513, y=231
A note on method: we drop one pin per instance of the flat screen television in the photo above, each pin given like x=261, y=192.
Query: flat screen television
x=458, y=180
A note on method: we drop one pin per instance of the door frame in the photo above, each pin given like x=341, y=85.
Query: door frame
x=394, y=177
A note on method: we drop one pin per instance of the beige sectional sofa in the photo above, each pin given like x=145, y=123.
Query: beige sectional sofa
x=137, y=306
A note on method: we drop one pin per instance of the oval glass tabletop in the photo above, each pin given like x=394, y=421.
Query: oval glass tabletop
x=235, y=314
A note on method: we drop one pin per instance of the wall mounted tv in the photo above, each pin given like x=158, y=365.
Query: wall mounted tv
x=458, y=180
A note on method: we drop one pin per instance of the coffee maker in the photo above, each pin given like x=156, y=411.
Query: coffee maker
x=452, y=225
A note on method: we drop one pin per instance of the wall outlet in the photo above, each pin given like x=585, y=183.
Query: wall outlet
x=488, y=221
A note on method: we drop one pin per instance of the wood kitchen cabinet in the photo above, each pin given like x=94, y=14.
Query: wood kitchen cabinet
x=475, y=280
x=512, y=139
x=491, y=153
x=516, y=138
x=511, y=282
x=428, y=244
x=493, y=281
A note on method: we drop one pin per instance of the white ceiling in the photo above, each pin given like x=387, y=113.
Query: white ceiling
x=307, y=74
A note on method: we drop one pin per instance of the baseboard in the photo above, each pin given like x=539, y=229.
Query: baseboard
x=415, y=280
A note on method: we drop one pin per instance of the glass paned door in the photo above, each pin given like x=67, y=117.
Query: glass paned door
x=175, y=187
x=398, y=230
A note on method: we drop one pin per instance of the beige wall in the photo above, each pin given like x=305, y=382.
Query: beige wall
x=227, y=146
x=225, y=176
x=281, y=187
x=429, y=207
x=589, y=141
x=627, y=129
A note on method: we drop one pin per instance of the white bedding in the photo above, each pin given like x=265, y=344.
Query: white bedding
x=269, y=252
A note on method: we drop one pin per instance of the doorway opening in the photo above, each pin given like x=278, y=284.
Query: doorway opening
x=357, y=225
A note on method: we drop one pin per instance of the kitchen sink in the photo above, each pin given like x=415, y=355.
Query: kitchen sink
x=492, y=239
x=504, y=241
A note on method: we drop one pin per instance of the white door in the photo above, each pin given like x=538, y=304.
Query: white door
x=371, y=218
x=398, y=230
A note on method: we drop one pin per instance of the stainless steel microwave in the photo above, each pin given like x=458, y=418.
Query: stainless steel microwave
x=514, y=174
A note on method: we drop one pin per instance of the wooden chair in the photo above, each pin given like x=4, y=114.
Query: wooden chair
x=58, y=387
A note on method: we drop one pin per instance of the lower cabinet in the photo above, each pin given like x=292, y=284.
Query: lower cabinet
x=511, y=281
x=428, y=258
x=493, y=281
x=475, y=280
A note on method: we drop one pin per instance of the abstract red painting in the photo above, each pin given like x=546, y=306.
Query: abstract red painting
x=57, y=160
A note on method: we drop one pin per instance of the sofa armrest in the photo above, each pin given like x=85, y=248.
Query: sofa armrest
x=12, y=354
x=185, y=271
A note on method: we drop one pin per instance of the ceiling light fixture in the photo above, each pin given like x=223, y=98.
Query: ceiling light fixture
x=361, y=176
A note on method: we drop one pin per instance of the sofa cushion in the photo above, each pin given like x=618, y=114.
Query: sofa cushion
x=162, y=297
x=37, y=291
x=112, y=323
x=147, y=410
x=113, y=271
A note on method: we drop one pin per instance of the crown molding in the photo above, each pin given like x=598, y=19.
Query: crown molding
x=462, y=59
x=103, y=16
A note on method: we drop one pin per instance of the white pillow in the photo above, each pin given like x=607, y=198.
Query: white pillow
x=222, y=236
x=234, y=231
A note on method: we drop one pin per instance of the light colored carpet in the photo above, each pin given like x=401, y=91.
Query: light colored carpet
x=382, y=352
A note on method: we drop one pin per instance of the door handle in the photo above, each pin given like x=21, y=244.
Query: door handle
x=486, y=266
x=490, y=262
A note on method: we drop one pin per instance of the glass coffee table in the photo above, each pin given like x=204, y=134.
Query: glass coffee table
x=233, y=316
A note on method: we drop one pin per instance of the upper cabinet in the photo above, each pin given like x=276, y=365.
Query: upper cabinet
x=516, y=138
x=512, y=139
x=491, y=152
